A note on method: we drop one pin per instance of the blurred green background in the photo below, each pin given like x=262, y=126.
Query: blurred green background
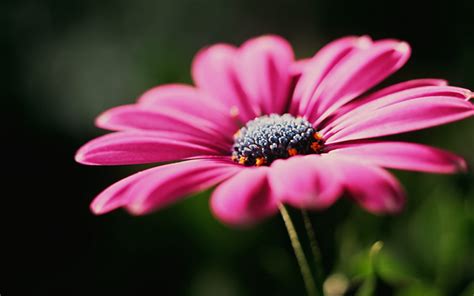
x=66, y=61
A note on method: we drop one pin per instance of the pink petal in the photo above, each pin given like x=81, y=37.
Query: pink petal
x=136, y=117
x=138, y=147
x=175, y=93
x=159, y=186
x=305, y=182
x=213, y=71
x=355, y=74
x=191, y=101
x=401, y=155
x=373, y=188
x=299, y=66
x=395, y=88
x=116, y=195
x=263, y=69
x=471, y=96
x=342, y=121
x=175, y=181
x=402, y=117
x=244, y=199
x=318, y=67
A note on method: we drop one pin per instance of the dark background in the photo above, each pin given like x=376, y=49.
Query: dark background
x=63, y=62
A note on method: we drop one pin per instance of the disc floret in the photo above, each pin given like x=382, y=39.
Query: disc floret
x=270, y=137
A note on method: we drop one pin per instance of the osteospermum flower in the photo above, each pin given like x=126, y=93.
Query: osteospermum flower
x=267, y=129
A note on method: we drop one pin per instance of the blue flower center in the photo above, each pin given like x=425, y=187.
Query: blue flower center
x=270, y=137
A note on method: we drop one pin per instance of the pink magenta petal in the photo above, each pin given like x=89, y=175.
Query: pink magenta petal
x=116, y=195
x=176, y=93
x=136, y=117
x=355, y=74
x=372, y=187
x=264, y=71
x=213, y=71
x=342, y=121
x=403, y=117
x=307, y=182
x=244, y=199
x=135, y=148
x=191, y=101
x=401, y=155
x=415, y=83
x=175, y=181
x=299, y=67
x=160, y=186
x=318, y=67
x=395, y=88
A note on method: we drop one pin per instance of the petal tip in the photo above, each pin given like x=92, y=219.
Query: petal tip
x=462, y=166
x=229, y=220
x=135, y=209
x=390, y=207
x=102, y=120
x=267, y=40
x=396, y=205
x=96, y=208
x=99, y=205
x=397, y=208
x=363, y=42
x=403, y=47
x=469, y=95
x=79, y=157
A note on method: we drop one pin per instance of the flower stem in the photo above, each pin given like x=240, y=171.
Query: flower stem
x=300, y=256
x=314, y=250
x=368, y=286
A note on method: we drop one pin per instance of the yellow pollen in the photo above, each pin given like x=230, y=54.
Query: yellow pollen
x=316, y=146
x=259, y=161
x=318, y=136
x=237, y=134
x=242, y=160
x=292, y=151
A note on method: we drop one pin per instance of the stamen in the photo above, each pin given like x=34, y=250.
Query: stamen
x=259, y=161
x=270, y=137
x=292, y=151
x=316, y=147
x=243, y=160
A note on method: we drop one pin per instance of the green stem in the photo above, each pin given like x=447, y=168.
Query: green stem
x=300, y=256
x=368, y=286
x=314, y=250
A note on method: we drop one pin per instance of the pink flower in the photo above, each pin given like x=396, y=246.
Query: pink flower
x=267, y=129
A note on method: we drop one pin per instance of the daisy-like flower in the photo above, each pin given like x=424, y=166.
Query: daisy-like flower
x=269, y=130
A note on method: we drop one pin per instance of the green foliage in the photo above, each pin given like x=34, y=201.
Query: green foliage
x=428, y=250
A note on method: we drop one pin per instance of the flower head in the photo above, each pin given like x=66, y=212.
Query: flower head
x=267, y=129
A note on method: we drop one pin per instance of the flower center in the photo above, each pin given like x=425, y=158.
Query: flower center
x=270, y=137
